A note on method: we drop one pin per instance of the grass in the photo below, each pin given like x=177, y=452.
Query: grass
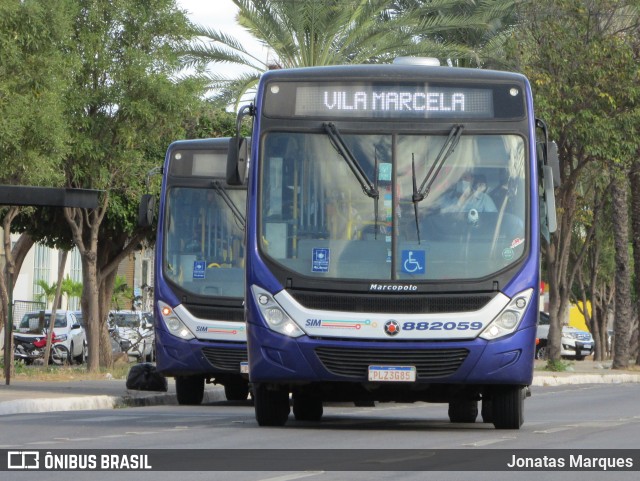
x=65, y=373
x=557, y=366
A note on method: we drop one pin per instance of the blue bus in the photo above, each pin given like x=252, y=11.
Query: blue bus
x=394, y=221
x=200, y=332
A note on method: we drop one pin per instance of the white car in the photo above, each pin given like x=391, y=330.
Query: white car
x=135, y=332
x=66, y=327
x=576, y=344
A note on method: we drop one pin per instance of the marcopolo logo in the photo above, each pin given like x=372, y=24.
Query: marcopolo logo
x=393, y=287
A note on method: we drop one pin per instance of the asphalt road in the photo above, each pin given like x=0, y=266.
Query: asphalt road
x=591, y=416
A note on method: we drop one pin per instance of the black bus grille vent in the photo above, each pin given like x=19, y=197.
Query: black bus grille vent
x=430, y=364
x=225, y=359
x=388, y=304
x=217, y=313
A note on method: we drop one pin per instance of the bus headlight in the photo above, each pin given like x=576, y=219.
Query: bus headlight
x=277, y=319
x=509, y=318
x=173, y=323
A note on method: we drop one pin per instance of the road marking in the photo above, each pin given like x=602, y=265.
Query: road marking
x=553, y=430
x=487, y=442
x=288, y=477
x=43, y=442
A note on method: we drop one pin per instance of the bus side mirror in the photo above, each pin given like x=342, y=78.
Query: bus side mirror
x=146, y=210
x=237, y=158
x=550, y=198
x=553, y=161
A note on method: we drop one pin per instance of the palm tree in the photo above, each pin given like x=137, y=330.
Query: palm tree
x=49, y=291
x=71, y=289
x=121, y=292
x=307, y=33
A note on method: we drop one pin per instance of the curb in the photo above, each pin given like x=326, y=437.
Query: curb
x=558, y=380
x=86, y=403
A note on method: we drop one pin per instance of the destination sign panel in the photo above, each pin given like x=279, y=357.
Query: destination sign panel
x=401, y=101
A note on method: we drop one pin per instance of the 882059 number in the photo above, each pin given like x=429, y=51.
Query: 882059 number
x=442, y=326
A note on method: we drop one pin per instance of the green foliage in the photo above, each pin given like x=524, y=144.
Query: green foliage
x=33, y=77
x=71, y=288
x=558, y=365
x=49, y=291
x=211, y=121
x=122, y=296
x=308, y=33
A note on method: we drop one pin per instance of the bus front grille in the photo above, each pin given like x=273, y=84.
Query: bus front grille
x=225, y=359
x=216, y=313
x=430, y=364
x=391, y=304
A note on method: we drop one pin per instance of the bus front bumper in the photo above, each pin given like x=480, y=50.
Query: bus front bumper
x=179, y=357
x=282, y=360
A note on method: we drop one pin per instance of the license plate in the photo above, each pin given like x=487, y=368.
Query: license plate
x=392, y=373
x=244, y=367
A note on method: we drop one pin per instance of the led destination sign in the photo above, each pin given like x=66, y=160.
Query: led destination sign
x=410, y=101
x=393, y=102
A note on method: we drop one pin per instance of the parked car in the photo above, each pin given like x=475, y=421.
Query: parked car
x=66, y=327
x=576, y=344
x=113, y=336
x=134, y=329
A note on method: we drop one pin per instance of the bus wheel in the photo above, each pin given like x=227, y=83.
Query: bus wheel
x=487, y=411
x=306, y=408
x=463, y=411
x=236, y=390
x=271, y=405
x=508, y=407
x=189, y=390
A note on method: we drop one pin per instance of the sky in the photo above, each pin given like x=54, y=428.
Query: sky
x=220, y=15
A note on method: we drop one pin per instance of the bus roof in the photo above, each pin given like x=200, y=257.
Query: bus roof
x=392, y=72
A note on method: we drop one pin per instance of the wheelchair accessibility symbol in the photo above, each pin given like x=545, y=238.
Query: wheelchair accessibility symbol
x=413, y=262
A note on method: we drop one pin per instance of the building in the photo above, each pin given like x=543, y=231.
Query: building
x=41, y=263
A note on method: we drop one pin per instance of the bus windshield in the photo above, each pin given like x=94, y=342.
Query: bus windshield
x=463, y=219
x=204, y=251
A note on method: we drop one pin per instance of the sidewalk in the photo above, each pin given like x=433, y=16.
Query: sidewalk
x=48, y=396
x=23, y=396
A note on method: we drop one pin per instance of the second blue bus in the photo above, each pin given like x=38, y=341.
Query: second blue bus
x=199, y=272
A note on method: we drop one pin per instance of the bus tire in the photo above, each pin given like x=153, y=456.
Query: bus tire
x=189, y=390
x=487, y=411
x=463, y=411
x=236, y=390
x=508, y=407
x=271, y=405
x=307, y=408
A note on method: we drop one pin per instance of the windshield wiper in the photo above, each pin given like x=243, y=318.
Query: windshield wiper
x=237, y=213
x=338, y=143
x=447, y=149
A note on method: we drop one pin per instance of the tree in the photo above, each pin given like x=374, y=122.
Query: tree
x=578, y=56
x=308, y=33
x=33, y=134
x=48, y=291
x=71, y=289
x=124, y=107
x=121, y=292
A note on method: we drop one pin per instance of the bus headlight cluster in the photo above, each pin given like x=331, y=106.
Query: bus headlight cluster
x=174, y=325
x=275, y=316
x=509, y=318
